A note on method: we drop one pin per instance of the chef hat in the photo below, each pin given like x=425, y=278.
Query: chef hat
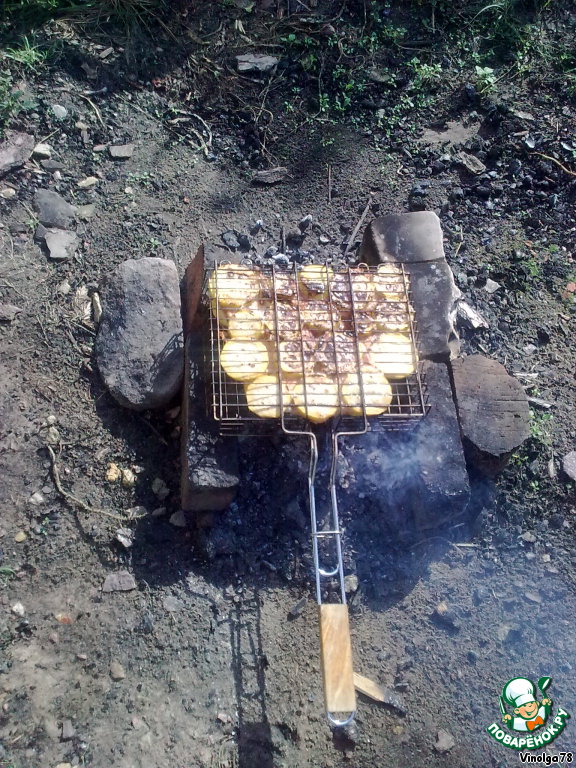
x=518, y=691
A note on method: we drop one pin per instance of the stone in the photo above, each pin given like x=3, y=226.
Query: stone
x=139, y=343
x=61, y=245
x=18, y=609
x=403, y=237
x=492, y=286
x=160, y=489
x=36, y=499
x=85, y=212
x=230, y=239
x=415, y=240
x=53, y=210
x=351, y=583
x=20, y=537
x=120, y=581
x=468, y=317
x=113, y=473
x=52, y=165
x=88, y=182
x=569, y=465
x=9, y=193
x=270, y=176
x=117, y=671
x=15, y=150
x=444, y=741
x=256, y=62
x=59, y=112
x=128, y=478
x=493, y=411
x=124, y=536
x=209, y=461
x=470, y=162
x=42, y=151
x=121, y=151
x=68, y=731
x=178, y=519
x=8, y=313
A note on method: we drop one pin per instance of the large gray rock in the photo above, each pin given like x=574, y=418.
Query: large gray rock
x=53, y=210
x=15, y=150
x=139, y=343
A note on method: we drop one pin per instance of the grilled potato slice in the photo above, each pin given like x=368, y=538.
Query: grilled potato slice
x=285, y=286
x=389, y=283
x=219, y=313
x=375, y=388
x=316, y=399
x=392, y=316
x=363, y=290
x=316, y=316
x=314, y=281
x=246, y=324
x=338, y=356
x=263, y=397
x=392, y=354
x=295, y=357
x=233, y=285
x=244, y=360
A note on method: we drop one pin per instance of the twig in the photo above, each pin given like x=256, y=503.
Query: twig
x=95, y=108
x=78, y=502
x=357, y=227
x=558, y=163
x=329, y=182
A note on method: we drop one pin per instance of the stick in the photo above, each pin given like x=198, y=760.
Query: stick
x=78, y=502
x=357, y=227
x=558, y=163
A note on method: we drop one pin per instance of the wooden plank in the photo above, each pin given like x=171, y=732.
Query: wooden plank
x=369, y=687
x=336, y=655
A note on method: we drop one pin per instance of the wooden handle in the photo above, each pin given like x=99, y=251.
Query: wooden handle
x=336, y=654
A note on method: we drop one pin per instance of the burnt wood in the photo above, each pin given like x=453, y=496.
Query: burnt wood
x=210, y=474
x=493, y=411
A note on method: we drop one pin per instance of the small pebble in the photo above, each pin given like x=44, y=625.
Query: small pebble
x=20, y=537
x=18, y=609
x=113, y=473
x=36, y=499
x=59, y=111
x=160, y=489
x=178, y=519
x=117, y=671
x=52, y=436
x=8, y=193
x=128, y=478
x=89, y=181
x=42, y=151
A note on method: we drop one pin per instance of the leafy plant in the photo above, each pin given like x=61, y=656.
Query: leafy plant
x=485, y=79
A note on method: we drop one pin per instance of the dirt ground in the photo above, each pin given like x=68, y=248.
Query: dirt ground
x=215, y=672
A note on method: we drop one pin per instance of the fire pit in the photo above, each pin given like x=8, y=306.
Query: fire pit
x=293, y=348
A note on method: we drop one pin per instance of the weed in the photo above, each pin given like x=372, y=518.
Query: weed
x=485, y=79
x=29, y=55
x=540, y=427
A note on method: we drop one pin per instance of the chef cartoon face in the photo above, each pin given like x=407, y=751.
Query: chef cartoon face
x=528, y=710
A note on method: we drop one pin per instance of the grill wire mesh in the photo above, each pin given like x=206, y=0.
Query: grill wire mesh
x=312, y=344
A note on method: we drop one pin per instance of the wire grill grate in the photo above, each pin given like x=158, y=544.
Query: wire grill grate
x=320, y=328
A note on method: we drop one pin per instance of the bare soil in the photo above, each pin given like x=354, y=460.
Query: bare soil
x=216, y=673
